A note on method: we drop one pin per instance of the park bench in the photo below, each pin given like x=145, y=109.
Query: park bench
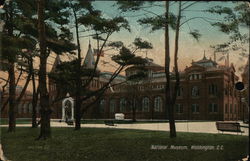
x=109, y=122
x=229, y=126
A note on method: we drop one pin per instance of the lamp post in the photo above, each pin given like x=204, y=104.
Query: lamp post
x=241, y=88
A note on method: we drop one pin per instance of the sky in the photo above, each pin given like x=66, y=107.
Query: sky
x=189, y=48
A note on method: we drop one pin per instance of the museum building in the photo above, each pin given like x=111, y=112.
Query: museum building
x=206, y=93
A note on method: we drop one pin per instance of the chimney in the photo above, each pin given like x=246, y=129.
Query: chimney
x=214, y=57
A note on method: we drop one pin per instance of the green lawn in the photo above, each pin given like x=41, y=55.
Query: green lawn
x=99, y=144
x=4, y=121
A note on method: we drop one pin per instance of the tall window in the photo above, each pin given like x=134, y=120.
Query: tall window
x=226, y=91
x=112, y=105
x=145, y=104
x=235, y=108
x=25, y=107
x=158, y=104
x=226, y=108
x=19, y=109
x=30, y=108
x=102, y=105
x=195, y=91
x=133, y=104
x=231, y=108
x=179, y=108
x=180, y=91
x=212, y=89
x=213, y=107
x=195, y=108
x=123, y=104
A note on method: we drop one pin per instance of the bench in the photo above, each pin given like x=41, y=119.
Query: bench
x=109, y=122
x=229, y=126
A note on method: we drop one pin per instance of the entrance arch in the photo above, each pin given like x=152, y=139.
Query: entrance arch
x=68, y=109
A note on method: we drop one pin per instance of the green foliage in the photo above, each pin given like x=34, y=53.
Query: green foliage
x=140, y=75
x=195, y=34
x=233, y=19
x=159, y=22
x=129, y=5
x=115, y=44
x=142, y=44
x=126, y=57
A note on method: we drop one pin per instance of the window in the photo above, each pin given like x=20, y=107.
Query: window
x=123, y=104
x=179, y=108
x=195, y=91
x=226, y=108
x=180, y=91
x=213, y=107
x=112, y=105
x=145, y=104
x=195, y=108
x=133, y=104
x=212, y=89
x=158, y=104
x=30, y=108
x=231, y=92
x=231, y=108
x=226, y=92
x=235, y=108
x=19, y=109
x=25, y=107
x=194, y=76
x=102, y=105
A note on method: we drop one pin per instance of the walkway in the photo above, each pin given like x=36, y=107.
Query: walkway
x=197, y=127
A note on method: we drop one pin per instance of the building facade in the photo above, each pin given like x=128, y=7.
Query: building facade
x=206, y=93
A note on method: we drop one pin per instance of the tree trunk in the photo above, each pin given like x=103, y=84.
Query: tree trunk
x=34, y=96
x=78, y=79
x=134, y=113
x=168, y=94
x=12, y=99
x=11, y=72
x=44, y=96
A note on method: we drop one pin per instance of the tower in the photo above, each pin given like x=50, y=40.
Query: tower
x=89, y=61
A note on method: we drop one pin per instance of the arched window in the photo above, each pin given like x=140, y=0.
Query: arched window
x=112, y=105
x=123, y=104
x=145, y=104
x=158, y=104
x=102, y=105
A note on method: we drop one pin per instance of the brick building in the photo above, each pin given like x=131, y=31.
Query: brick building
x=206, y=93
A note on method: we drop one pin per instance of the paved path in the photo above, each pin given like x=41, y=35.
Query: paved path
x=197, y=127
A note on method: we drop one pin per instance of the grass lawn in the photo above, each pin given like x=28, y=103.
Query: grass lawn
x=106, y=144
x=4, y=121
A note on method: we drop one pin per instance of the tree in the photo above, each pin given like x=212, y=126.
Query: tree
x=65, y=76
x=235, y=24
x=14, y=42
x=47, y=42
x=158, y=22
